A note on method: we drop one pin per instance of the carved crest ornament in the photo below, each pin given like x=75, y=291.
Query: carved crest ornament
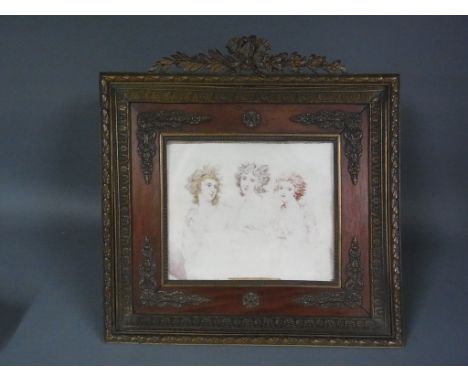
x=248, y=54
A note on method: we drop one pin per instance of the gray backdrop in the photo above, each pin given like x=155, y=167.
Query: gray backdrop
x=51, y=271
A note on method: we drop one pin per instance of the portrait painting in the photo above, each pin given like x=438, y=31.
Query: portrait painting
x=251, y=210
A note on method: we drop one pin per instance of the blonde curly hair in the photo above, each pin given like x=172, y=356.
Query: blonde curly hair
x=195, y=180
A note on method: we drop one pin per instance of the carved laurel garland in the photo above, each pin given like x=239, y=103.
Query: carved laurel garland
x=150, y=296
x=248, y=54
x=349, y=124
x=151, y=124
x=351, y=295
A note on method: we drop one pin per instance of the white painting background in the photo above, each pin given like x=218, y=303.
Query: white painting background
x=314, y=161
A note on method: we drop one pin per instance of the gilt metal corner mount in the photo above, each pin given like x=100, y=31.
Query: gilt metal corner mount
x=151, y=124
x=149, y=293
x=349, y=124
x=351, y=295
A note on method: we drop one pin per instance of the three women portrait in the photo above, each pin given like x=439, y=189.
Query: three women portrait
x=256, y=222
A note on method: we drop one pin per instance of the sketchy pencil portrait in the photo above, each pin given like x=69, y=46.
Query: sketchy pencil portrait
x=249, y=210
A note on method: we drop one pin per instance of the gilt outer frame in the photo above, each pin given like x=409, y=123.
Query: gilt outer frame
x=378, y=94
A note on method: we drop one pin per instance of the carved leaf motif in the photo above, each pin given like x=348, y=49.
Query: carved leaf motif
x=174, y=299
x=350, y=126
x=147, y=268
x=248, y=54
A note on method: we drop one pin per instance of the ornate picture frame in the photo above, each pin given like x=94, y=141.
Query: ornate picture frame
x=276, y=104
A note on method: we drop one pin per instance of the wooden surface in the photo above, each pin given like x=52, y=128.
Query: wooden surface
x=146, y=211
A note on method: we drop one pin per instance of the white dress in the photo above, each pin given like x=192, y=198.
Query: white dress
x=248, y=236
x=203, y=239
x=296, y=254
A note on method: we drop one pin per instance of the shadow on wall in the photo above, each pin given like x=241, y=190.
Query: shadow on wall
x=75, y=233
x=421, y=243
x=10, y=319
x=76, y=153
x=61, y=223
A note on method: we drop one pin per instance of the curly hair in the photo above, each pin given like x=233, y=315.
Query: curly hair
x=261, y=173
x=297, y=181
x=195, y=180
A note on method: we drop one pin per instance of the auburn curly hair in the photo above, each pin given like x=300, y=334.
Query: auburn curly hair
x=297, y=181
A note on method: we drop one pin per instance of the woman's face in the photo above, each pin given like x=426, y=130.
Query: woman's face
x=286, y=191
x=247, y=183
x=208, y=189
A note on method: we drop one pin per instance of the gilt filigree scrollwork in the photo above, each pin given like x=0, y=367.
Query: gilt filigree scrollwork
x=349, y=124
x=150, y=296
x=351, y=295
x=150, y=124
x=248, y=54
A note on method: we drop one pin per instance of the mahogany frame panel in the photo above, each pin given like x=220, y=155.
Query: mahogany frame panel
x=359, y=113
